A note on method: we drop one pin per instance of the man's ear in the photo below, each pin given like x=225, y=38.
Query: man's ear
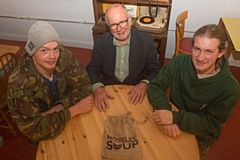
x=130, y=18
x=221, y=53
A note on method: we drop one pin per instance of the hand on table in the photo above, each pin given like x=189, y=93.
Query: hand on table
x=83, y=106
x=162, y=117
x=138, y=92
x=101, y=98
x=165, y=119
x=171, y=130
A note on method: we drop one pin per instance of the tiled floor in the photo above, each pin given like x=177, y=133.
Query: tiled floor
x=226, y=148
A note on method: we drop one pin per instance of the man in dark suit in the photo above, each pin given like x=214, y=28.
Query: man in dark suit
x=122, y=56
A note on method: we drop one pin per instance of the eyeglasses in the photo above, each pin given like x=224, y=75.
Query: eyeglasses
x=121, y=24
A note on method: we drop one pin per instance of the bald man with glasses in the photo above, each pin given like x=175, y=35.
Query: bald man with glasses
x=122, y=56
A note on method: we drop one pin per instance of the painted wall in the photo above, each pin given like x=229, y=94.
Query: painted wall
x=79, y=33
x=76, y=32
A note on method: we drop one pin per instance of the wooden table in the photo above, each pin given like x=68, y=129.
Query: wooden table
x=231, y=27
x=82, y=136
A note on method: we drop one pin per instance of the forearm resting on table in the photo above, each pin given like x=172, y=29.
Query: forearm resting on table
x=74, y=111
x=169, y=128
x=83, y=106
x=56, y=108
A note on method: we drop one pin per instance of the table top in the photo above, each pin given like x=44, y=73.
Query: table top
x=233, y=28
x=82, y=136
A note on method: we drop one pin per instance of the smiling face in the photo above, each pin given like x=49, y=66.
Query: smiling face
x=119, y=23
x=205, y=52
x=46, y=57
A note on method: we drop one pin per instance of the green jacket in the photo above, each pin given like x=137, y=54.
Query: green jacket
x=204, y=104
x=29, y=95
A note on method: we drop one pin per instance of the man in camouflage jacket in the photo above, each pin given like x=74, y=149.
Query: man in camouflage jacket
x=40, y=103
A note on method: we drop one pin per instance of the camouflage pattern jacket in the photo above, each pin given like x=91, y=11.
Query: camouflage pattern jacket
x=29, y=95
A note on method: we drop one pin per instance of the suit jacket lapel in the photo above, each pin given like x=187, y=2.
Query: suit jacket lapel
x=134, y=51
x=111, y=55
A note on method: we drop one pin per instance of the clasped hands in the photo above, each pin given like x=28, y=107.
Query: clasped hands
x=136, y=95
x=164, y=118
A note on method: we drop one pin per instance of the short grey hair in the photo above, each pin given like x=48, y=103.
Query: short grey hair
x=115, y=6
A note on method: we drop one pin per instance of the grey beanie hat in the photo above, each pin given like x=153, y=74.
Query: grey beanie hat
x=39, y=34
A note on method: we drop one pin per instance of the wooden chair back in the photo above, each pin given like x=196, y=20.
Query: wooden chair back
x=3, y=93
x=3, y=90
x=8, y=63
x=179, y=33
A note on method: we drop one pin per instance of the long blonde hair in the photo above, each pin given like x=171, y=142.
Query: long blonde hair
x=213, y=31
